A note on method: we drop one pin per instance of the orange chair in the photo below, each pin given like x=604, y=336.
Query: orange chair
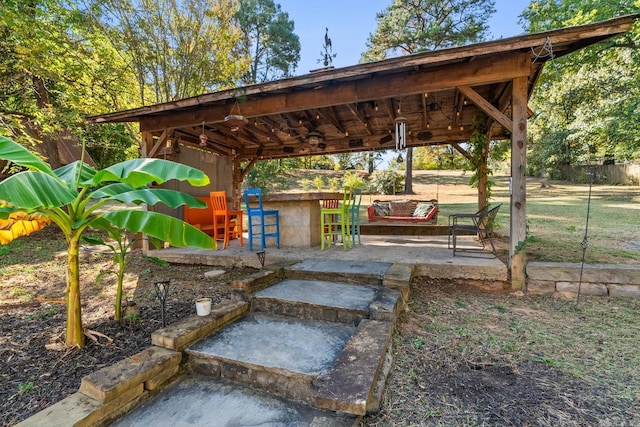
x=201, y=218
x=227, y=224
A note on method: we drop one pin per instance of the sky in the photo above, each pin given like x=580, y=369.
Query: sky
x=351, y=21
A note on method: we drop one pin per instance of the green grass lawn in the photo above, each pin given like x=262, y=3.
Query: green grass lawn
x=556, y=215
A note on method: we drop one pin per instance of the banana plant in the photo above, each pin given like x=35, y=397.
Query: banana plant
x=72, y=197
x=119, y=245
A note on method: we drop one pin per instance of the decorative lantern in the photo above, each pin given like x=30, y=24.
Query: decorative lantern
x=203, y=137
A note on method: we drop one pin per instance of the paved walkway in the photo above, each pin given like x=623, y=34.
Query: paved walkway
x=430, y=255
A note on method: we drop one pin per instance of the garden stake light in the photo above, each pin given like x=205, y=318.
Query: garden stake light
x=162, y=290
x=261, y=255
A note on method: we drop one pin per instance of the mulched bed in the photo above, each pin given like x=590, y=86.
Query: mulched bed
x=34, y=377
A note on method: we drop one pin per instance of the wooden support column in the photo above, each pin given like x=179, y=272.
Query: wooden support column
x=238, y=177
x=517, y=257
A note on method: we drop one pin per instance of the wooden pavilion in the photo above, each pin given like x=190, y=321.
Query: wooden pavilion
x=434, y=95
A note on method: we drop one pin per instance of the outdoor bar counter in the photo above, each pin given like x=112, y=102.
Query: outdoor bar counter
x=299, y=216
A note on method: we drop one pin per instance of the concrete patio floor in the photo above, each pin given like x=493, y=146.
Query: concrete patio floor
x=429, y=254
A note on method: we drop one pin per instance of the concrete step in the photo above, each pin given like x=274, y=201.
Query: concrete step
x=346, y=271
x=326, y=365
x=199, y=401
x=313, y=341
x=324, y=300
x=350, y=385
x=280, y=355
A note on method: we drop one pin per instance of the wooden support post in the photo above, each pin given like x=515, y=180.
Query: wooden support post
x=238, y=177
x=517, y=257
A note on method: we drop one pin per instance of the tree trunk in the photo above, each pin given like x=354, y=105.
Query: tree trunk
x=75, y=333
x=483, y=180
x=49, y=143
x=408, y=176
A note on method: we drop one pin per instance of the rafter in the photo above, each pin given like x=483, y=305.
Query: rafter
x=481, y=71
x=360, y=116
x=162, y=140
x=487, y=107
x=329, y=114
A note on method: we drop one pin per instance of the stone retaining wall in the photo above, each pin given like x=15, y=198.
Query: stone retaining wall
x=597, y=279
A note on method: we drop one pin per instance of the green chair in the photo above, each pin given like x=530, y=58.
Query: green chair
x=335, y=221
x=355, y=216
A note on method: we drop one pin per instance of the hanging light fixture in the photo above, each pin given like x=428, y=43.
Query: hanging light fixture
x=203, y=137
x=401, y=133
x=236, y=120
x=314, y=138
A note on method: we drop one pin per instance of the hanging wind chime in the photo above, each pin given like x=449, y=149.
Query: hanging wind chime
x=401, y=133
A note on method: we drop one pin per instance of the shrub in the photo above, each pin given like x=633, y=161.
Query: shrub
x=386, y=182
x=318, y=182
x=354, y=181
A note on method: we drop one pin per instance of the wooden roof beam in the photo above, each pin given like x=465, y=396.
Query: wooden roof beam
x=425, y=112
x=379, y=141
x=360, y=116
x=332, y=117
x=273, y=128
x=297, y=120
x=162, y=140
x=191, y=140
x=457, y=108
x=487, y=107
x=232, y=139
x=391, y=111
x=481, y=71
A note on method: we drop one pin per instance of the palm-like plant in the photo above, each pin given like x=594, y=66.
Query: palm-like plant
x=71, y=196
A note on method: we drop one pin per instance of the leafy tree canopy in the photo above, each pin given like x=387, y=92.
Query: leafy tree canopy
x=269, y=39
x=586, y=105
x=410, y=26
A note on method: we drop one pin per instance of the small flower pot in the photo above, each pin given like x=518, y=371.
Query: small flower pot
x=203, y=306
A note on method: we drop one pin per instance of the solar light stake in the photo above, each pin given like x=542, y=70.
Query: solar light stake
x=261, y=255
x=162, y=289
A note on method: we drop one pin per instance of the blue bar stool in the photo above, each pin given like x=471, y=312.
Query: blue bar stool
x=262, y=223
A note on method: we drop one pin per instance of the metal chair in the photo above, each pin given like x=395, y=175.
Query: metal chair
x=262, y=223
x=480, y=223
x=355, y=216
x=335, y=221
x=227, y=224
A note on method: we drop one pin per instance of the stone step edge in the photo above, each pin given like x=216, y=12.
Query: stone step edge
x=297, y=386
x=350, y=384
x=80, y=410
x=151, y=364
x=383, y=307
x=308, y=311
x=185, y=332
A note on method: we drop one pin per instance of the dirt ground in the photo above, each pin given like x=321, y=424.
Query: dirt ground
x=32, y=313
x=461, y=356
x=439, y=376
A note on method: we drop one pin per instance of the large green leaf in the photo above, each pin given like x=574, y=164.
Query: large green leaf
x=160, y=226
x=140, y=172
x=16, y=153
x=110, y=190
x=69, y=173
x=31, y=190
x=150, y=196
